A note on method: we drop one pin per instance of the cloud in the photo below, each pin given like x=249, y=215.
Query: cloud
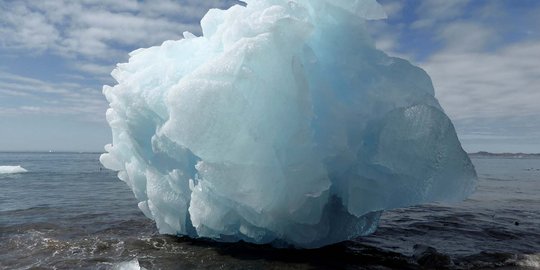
x=28, y=96
x=466, y=36
x=483, y=70
x=93, y=68
x=482, y=58
x=488, y=84
x=22, y=28
x=434, y=11
x=393, y=8
x=491, y=96
x=96, y=33
x=90, y=37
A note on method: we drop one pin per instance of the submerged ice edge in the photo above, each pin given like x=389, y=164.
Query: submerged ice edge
x=282, y=124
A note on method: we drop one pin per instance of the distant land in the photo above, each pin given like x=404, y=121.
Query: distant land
x=477, y=154
x=505, y=155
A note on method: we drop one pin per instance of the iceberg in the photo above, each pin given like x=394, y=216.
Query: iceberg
x=12, y=169
x=282, y=124
x=128, y=265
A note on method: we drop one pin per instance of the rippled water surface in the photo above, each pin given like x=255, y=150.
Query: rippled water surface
x=68, y=212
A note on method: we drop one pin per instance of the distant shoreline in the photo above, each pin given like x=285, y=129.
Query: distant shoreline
x=476, y=154
x=506, y=155
x=50, y=152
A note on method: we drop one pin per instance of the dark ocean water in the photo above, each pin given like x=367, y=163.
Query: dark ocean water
x=67, y=212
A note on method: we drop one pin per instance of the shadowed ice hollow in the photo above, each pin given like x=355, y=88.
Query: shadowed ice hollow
x=281, y=124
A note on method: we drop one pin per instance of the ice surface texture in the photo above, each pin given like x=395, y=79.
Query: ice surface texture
x=12, y=169
x=282, y=124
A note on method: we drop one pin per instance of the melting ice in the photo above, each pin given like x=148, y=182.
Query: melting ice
x=281, y=124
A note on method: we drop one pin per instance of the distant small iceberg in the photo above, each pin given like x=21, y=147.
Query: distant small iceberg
x=12, y=169
x=129, y=265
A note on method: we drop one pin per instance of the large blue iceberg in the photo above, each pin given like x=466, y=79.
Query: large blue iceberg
x=281, y=124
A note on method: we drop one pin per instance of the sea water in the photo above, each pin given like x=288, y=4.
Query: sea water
x=68, y=212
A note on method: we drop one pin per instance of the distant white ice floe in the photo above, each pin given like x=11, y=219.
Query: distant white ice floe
x=12, y=169
x=129, y=265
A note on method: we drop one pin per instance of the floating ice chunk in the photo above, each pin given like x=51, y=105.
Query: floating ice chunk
x=129, y=265
x=12, y=169
x=282, y=124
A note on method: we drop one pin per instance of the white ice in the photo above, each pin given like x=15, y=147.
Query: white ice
x=12, y=169
x=128, y=265
x=282, y=124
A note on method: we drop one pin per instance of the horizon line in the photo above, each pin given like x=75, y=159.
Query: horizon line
x=101, y=152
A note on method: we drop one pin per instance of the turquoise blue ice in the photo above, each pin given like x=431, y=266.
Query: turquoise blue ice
x=281, y=124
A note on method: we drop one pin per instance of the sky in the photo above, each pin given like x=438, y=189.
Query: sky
x=55, y=55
